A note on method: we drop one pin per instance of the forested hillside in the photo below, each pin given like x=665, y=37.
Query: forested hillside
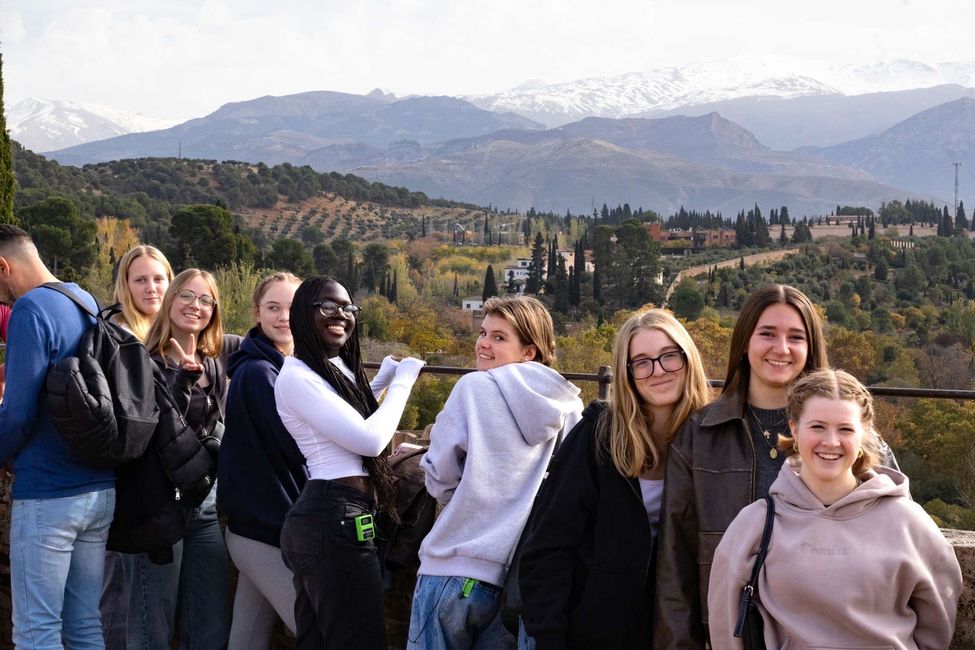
x=148, y=191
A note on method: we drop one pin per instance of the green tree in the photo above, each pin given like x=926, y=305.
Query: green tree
x=375, y=265
x=687, y=301
x=326, y=262
x=7, y=187
x=205, y=236
x=290, y=255
x=536, y=269
x=490, y=284
x=65, y=240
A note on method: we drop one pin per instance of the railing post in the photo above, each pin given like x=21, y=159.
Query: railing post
x=604, y=378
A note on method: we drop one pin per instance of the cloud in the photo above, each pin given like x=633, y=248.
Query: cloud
x=185, y=58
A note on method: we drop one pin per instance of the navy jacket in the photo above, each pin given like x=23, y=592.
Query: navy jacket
x=261, y=471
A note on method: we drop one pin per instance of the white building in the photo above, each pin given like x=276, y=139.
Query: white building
x=473, y=303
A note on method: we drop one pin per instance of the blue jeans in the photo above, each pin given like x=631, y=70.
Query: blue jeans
x=443, y=618
x=57, y=557
x=196, y=583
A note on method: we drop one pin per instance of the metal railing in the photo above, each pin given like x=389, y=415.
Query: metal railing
x=604, y=378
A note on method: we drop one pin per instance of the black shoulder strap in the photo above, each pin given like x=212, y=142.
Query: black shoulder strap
x=749, y=590
x=60, y=288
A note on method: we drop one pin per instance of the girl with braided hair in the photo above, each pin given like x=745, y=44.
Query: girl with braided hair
x=330, y=408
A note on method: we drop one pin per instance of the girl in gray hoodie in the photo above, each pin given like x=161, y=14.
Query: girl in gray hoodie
x=489, y=449
x=853, y=562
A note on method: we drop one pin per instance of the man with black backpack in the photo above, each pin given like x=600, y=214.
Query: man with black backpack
x=62, y=508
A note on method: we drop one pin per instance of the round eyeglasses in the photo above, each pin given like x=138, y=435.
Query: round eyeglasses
x=669, y=362
x=329, y=308
x=188, y=297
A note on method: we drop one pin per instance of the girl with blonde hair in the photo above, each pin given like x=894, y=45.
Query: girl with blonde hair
x=587, y=569
x=262, y=471
x=489, y=448
x=188, y=344
x=143, y=276
x=852, y=561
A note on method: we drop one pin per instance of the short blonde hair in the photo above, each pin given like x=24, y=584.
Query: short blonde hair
x=836, y=385
x=627, y=435
x=210, y=340
x=132, y=318
x=531, y=322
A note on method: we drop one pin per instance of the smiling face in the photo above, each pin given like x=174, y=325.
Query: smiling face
x=147, y=283
x=334, y=331
x=829, y=434
x=191, y=318
x=274, y=314
x=777, y=350
x=662, y=390
x=498, y=344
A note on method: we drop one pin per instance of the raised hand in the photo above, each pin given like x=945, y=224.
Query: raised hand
x=186, y=358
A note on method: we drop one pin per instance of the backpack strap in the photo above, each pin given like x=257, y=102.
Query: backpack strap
x=60, y=288
x=750, y=589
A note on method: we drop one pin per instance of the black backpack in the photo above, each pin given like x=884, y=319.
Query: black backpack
x=400, y=546
x=103, y=400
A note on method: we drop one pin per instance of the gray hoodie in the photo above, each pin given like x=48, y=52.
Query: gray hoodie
x=489, y=450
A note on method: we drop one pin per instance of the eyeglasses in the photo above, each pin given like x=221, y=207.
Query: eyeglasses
x=188, y=297
x=669, y=362
x=328, y=309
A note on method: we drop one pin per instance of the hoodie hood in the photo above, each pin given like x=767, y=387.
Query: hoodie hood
x=255, y=346
x=877, y=484
x=539, y=398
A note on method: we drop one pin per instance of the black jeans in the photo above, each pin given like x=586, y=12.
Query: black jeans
x=338, y=583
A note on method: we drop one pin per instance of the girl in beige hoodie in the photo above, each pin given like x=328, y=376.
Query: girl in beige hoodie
x=852, y=562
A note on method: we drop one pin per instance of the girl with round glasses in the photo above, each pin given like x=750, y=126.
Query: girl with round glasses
x=587, y=569
x=330, y=409
x=187, y=342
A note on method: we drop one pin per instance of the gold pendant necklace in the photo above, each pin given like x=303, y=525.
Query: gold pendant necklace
x=773, y=453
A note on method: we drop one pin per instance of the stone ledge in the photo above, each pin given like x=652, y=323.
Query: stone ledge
x=964, y=543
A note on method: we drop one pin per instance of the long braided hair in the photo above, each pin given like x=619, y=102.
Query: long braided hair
x=309, y=350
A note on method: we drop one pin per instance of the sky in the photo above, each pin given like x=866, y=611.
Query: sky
x=186, y=58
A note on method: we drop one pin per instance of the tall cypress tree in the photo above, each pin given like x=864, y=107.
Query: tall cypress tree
x=490, y=284
x=6, y=164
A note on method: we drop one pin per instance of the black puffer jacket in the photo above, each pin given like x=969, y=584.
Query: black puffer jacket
x=587, y=569
x=155, y=493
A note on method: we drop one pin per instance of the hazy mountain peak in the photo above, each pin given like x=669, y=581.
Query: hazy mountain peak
x=46, y=125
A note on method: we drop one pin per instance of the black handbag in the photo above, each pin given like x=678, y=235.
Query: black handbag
x=749, y=626
x=511, y=602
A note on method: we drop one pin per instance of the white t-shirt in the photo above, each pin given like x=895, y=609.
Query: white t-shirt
x=653, y=496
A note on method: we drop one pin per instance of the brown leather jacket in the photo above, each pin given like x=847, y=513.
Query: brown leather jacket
x=710, y=478
x=711, y=474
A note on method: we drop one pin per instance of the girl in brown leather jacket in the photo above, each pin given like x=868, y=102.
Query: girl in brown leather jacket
x=725, y=455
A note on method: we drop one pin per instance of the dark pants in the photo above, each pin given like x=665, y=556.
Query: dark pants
x=338, y=584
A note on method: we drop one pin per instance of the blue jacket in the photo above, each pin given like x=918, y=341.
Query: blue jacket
x=261, y=471
x=45, y=327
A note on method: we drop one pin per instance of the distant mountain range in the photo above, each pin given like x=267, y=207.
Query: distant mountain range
x=919, y=152
x=776, y=138
x=46, y=125
x=747, y=75
x=285, y=129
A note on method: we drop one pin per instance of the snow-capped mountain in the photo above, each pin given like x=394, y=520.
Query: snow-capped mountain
x=747, y=75
x=46, y=125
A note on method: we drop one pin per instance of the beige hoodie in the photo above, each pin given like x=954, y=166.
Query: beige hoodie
x=870, y=571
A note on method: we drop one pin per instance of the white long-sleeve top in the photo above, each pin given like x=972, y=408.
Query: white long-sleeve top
x=332, y=435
